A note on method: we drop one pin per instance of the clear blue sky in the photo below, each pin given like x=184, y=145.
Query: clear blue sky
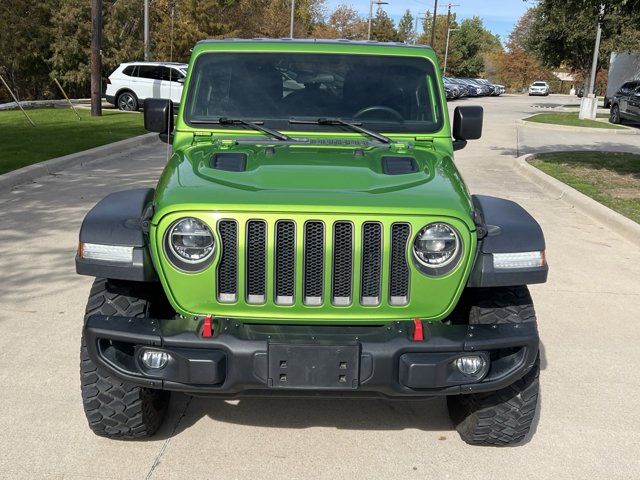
x=499, y=16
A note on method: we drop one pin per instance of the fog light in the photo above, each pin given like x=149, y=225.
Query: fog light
x=471, y=364
x=154, y=359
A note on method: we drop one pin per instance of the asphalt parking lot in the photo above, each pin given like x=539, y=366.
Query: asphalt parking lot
x=588, y=313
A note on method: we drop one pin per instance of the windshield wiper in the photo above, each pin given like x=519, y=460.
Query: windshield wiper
x=338, y=121
x=255, y=125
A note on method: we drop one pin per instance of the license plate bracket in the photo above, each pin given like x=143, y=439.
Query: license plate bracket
x=304, y=366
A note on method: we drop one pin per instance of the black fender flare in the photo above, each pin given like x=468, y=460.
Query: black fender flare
x=505, y=227
x=121, y=219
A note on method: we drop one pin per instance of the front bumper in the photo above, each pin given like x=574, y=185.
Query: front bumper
x=297, y=360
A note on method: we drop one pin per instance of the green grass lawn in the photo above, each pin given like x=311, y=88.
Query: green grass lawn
x=612, y=179
x=570, y=119
x=58, y=132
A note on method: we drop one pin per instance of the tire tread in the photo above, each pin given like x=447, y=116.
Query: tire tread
x=503, y=417
x=114, y=408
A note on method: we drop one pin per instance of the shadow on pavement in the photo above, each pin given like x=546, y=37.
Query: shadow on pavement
x=605, y=146
x=41, y=220
x=298, y=413
x=343, y=414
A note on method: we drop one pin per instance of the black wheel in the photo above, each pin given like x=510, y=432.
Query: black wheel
x=503, y=417
x=127, y=101
x=114, y=408
x=614, y=116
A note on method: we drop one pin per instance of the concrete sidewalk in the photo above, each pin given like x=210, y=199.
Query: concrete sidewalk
x=588, y=425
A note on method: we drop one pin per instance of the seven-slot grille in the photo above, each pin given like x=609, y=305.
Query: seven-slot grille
x=323, y=271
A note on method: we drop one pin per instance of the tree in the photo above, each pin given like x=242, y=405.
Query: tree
x=192, y=21
x=344, y=22
x=25, y=46
x=383, y=28
x=516, y=68
x=563, y=32
x=468, y=48
x=520, y=36
x=441, y=32
x=469, y=45
x=71, y=53
x=405, y=28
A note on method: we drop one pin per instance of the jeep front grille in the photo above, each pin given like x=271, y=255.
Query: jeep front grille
x=399, y=272
x=342, y=263
x=371, y=263
x=313, y=264
x=256, y=250
x=228, y=265
x=285, y=262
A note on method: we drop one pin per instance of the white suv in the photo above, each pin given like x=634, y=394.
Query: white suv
x=131, y=83
x=539, y=88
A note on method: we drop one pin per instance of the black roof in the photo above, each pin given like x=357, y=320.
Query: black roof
x=314, y=40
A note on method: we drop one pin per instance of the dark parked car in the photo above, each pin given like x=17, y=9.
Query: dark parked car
x=456, y=90
x=496, y=90
x=625, y=104
x=483, y=89
x=471, y=89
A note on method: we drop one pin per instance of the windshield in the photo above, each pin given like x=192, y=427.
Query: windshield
x=539, y=84
x=386, y=93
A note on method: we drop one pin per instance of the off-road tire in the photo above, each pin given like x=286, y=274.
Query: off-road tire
x=503, y=417
x=116, y=409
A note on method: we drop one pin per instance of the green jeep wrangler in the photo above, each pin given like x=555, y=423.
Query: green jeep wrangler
x=310, y=235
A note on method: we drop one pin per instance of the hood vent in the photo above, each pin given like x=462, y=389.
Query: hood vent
x=399, y=165
x=231, y=162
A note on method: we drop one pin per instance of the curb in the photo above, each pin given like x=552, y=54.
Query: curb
x=550, y=126
x=613, y=220
x=47, y=167
x=26, y=104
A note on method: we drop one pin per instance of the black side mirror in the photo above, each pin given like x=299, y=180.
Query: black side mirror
x=158, y=115
x=467, y=125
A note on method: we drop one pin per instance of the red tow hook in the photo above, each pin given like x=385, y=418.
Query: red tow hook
x=418, y=331
x=207, y=330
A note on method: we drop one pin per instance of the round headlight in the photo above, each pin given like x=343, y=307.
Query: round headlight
x=436, y=245
x=191, y=241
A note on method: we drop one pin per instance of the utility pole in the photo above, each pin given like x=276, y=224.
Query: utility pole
x=293, y=7
x=446, y=51
x=589, y=103
x=449, y=30
x=146, y=31
x=378, y=3
x=433, y=24
x=449, y=5
x=96, y=58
